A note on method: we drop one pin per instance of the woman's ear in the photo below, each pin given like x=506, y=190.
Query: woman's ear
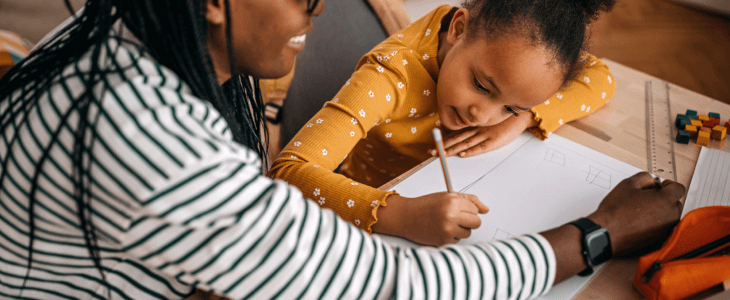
x=457, y=27
x=216, y=13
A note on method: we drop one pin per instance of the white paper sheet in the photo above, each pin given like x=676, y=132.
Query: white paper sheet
x=529, y=186
x=711, y=181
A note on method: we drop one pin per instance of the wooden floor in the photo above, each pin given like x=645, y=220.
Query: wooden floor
x=685, y=46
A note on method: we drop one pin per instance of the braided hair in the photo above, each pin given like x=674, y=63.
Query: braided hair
x=558, y=25
x=175, y=34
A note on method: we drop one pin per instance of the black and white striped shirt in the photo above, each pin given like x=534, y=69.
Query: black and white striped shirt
x=177, y=204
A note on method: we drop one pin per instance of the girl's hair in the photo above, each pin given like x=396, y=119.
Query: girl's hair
x=175, y=34
x=558, y=25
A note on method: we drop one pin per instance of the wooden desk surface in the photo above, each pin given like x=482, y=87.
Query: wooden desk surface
x=619, y=130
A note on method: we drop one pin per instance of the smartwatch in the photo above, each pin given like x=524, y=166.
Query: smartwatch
x=596, y=244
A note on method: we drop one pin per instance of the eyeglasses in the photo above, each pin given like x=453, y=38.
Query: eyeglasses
x=311, y=5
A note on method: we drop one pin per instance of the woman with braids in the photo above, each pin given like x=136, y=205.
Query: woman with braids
x=485, y=72
x=130, y=169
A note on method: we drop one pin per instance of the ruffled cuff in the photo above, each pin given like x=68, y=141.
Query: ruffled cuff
x=374, y=212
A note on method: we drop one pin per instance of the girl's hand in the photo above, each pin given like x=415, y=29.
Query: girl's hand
x=436, y=219
x=477, y=140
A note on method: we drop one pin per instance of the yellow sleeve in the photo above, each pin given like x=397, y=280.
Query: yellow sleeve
x=586, y=94
x=308, y=161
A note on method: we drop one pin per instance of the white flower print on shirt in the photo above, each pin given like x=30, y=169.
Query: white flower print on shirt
x=347, y=83
x=374, y=203
x=387, y=120
x=426, y=92
x=560, y=121
x=388, y=135
x=357, y=222
x=401, y=85
x=431, y=114
x=319, y=121
x=321, y=201
x=294, y=157
x=387, y=97
x=353, y=183
x=413, y=110
x=371, y=94
x=354, y=121
x=369, y=61
x=324, y=151
x=380, y=69
x=350, y=203
x=593, y=63
x=603, y=96
x=310, y=125
x=405, y=62
x=586, y=79
x=548, y=101
x=352, y=133
x=438, y=123
x=316, y=192
x=609, y=79
x=583, y=107
x=425, y=56
x=400, y=35
x=362, y=113
x=336, y=100
x=394, y=53
x=386, y=57
x=380, y=58
x=588, y=109
x=413, y=130
x=297, y=144
x=558, y=95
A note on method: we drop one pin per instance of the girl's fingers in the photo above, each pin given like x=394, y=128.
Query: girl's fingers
x=451, y=141
x=462, y=233
x=469, y=221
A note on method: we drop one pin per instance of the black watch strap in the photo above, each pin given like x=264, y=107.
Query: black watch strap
x=587, y=227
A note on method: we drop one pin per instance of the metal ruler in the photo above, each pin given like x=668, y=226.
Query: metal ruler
x=659, y=131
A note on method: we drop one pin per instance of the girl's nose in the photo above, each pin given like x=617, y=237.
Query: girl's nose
x=483, y=115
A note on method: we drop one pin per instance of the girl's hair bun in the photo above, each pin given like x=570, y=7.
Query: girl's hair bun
x=592, y=8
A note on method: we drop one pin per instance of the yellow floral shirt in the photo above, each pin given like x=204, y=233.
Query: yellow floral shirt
x=379, y=124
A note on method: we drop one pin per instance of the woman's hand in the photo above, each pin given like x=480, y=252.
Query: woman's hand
x=435, y=219
x=477, y=140
x=638, y=214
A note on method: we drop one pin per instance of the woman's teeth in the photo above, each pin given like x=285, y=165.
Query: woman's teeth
x=298, y=41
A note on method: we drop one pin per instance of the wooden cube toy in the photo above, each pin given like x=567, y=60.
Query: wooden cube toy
x=692, y=114
x=681, y=120
x=718, y=133
x=715, y=121
x=727, y=124
x=703, y=117
x=692, y=131
x=714, y=115
x=705, y=129
x=683, y=137
x=708, y=124
x=697, y=123
x=703, y=138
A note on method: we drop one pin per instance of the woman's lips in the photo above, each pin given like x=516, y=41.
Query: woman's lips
x=458, y=119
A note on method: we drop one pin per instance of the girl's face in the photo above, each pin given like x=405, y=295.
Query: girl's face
x=267, y=35
x=482, y=82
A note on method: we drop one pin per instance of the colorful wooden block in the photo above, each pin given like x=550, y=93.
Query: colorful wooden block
x=703, y=117
x=697, y=123
x=714, y=115
x=727, y=124
x=692, y=131
x=692, y=114
x=703, y=138
x=682, y=137
x=708, y=124
x=706, y=129
x=718, y=133
x=681, y=120
x=715, y=121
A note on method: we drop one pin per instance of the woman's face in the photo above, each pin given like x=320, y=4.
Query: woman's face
x=480, y=81
x=268, y=34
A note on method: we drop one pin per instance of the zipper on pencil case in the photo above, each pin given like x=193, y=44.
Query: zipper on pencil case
x=657, y=265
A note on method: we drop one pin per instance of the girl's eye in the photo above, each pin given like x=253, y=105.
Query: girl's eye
x=480, y=86
x=511, y=110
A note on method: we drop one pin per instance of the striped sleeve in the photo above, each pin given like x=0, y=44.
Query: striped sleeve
x=202, y=213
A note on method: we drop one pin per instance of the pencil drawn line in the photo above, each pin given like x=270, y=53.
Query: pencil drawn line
x=495, y=167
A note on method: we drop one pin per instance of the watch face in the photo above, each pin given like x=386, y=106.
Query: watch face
x=598, y=246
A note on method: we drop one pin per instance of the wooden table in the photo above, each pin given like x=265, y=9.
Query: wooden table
x=619, y=130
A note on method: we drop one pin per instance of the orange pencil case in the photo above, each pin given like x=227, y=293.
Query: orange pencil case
x=694, y=258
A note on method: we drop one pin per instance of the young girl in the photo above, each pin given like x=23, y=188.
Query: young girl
x=486, y=72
